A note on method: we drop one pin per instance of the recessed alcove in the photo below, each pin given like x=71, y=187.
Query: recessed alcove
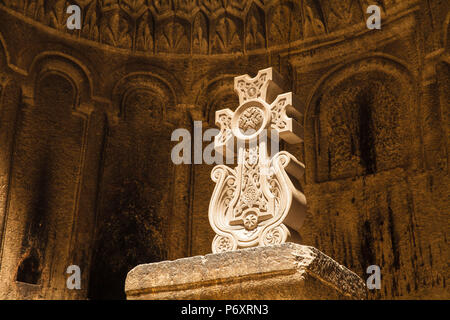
x=29, y=270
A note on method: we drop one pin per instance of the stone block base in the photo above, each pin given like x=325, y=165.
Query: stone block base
x=287, y=271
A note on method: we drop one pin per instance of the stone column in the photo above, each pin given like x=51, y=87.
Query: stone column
x=9, y=106
x=443, y=81
x=179, y=220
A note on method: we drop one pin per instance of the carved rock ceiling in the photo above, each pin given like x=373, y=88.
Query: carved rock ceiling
x=199, y=26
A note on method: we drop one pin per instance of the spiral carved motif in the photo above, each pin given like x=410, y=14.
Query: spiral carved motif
x=272, y=237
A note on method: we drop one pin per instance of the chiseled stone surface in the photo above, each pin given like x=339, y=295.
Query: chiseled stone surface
x=286, y=271
x=86, y=118
x=254, y=202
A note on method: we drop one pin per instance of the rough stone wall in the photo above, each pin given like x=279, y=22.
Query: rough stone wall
x=86, y=119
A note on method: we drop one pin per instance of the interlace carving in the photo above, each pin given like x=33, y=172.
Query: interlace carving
x=251, y=89
x=252, y=203
x=252, y=118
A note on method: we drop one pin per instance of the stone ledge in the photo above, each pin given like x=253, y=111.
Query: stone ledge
x=286, y=271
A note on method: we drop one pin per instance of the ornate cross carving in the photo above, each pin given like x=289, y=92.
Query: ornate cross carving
x=252, y=203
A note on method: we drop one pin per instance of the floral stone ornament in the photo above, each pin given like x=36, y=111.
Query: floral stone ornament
x=255, y=203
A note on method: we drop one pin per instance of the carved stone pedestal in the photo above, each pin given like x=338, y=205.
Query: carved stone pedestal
x=286, y=271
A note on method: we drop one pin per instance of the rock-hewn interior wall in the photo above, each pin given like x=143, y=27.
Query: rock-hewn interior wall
x=86, y=119
x=136, y=192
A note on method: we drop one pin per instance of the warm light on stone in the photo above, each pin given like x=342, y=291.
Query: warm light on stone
x=252, y=203
x=286, y=271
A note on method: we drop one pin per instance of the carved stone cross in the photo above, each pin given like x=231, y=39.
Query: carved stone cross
x=253, y=203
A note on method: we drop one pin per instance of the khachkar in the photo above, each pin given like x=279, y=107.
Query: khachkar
x=251, y=209
x=252, y=203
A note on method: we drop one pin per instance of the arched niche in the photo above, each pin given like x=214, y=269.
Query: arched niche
x=161, y=86
x=136, y=184
x=52, y=194
x=360, y=120
x=29, y=270
x=68, y=67
x=217, y=93
x=48, y=205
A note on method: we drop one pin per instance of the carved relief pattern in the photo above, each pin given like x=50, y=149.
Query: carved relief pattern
x=89, y=27
x=129, y=23
x=223, y=244
x=389, y=139
x=342, y=13
x=274, y=236
x=144, y=33
x=31, y=8
x=252, y=196
x=162, y=6
x=255, y=35
x=57, y=15
x=227, y=38
x=343, y=137
x=279, y=32
x=114, y=29
x=277, y=114
x=275, y=190
x=358, y=113
x=251, y=89
x=200, y=35
x=230, y=190
x=173, y=39
x=250, y=202
x=134, y=10
x=285, y=25
x=224, y=123
x=314, y=25
x=252, y=118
